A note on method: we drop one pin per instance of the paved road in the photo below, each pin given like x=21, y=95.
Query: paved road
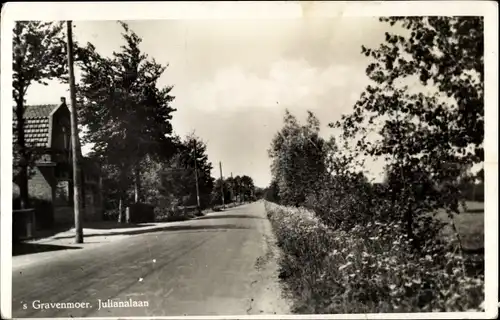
x=221, y=264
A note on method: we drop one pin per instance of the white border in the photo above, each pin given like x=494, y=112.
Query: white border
x=263, y=10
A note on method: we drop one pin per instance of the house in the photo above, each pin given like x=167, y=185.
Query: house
x=48, y=132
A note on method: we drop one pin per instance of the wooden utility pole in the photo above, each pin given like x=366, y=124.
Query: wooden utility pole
x=196, y=177
x=222, y=185
x=232, y=188
x=75, y=141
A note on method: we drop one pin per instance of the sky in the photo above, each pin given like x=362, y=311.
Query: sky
x=233, y=79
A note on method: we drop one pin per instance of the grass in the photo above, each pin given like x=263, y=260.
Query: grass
x=470, y=225
x=474, y=207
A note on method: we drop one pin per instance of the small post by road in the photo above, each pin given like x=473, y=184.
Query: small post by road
x=75, y=141
x=222, y=185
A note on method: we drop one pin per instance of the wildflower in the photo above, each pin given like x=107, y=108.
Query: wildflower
x=428, y=257
x=392, y=286
x=373, y=238
x=417, y=281
x=342, y=267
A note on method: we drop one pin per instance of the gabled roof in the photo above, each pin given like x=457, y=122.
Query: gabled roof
x=37, y=124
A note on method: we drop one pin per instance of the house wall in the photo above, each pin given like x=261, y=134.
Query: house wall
x=40, y=184
x=91, y=207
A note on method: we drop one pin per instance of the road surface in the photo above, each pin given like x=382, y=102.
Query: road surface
x=221, y=264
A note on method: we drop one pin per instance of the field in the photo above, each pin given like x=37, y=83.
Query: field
x=470, y=225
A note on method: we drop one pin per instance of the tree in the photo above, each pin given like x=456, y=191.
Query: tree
x=298, y=156
x=216, y=198
x=126, y=114
x=260, y=193
x=195, y=150
x=271, y=193
x=178, y=177
x=231, y=185
x=38, y=55
x=247, y=187
x=480, y=176
x=114, y=185
x=428, y=137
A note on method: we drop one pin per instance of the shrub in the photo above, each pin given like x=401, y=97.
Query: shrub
x=141, y=213
x=173, y=214
x=368, y=269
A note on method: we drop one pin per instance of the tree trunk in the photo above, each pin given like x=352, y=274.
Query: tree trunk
x=137, y=184
x=22, y=179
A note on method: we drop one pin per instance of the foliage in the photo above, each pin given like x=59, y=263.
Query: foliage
x=368, y=269
x=177, y=178
x=225, y=186
x=239, y=188
x=356, y=246
x=298, y=156
x=429, y=139
x=115, y=186
x=37, y=56
x=127, y=116
x=244, y=187
x=271, y=193
x=259, y=193
x=342, y=201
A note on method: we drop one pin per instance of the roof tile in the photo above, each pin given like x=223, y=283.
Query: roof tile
x=36, y=126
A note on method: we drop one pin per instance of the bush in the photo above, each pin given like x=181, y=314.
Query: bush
x=141, y=213
x=368, y=269
x=176, y=214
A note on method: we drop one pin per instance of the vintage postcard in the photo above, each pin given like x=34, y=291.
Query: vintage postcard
x=249, y=160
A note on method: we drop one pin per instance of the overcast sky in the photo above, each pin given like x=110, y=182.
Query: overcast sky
x=233, y=79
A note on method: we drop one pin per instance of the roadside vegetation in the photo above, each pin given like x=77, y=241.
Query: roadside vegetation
x=413, y=242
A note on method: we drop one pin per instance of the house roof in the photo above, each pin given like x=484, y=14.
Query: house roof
x=36, y=125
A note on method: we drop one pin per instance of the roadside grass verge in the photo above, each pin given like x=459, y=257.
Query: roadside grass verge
x=367, y=270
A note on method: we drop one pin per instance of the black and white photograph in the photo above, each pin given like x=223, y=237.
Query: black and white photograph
x=241, y=160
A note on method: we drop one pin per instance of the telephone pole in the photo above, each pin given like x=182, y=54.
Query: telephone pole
x=196, y=177
x=222, y=185
x=75, y=141
x=232, y=189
